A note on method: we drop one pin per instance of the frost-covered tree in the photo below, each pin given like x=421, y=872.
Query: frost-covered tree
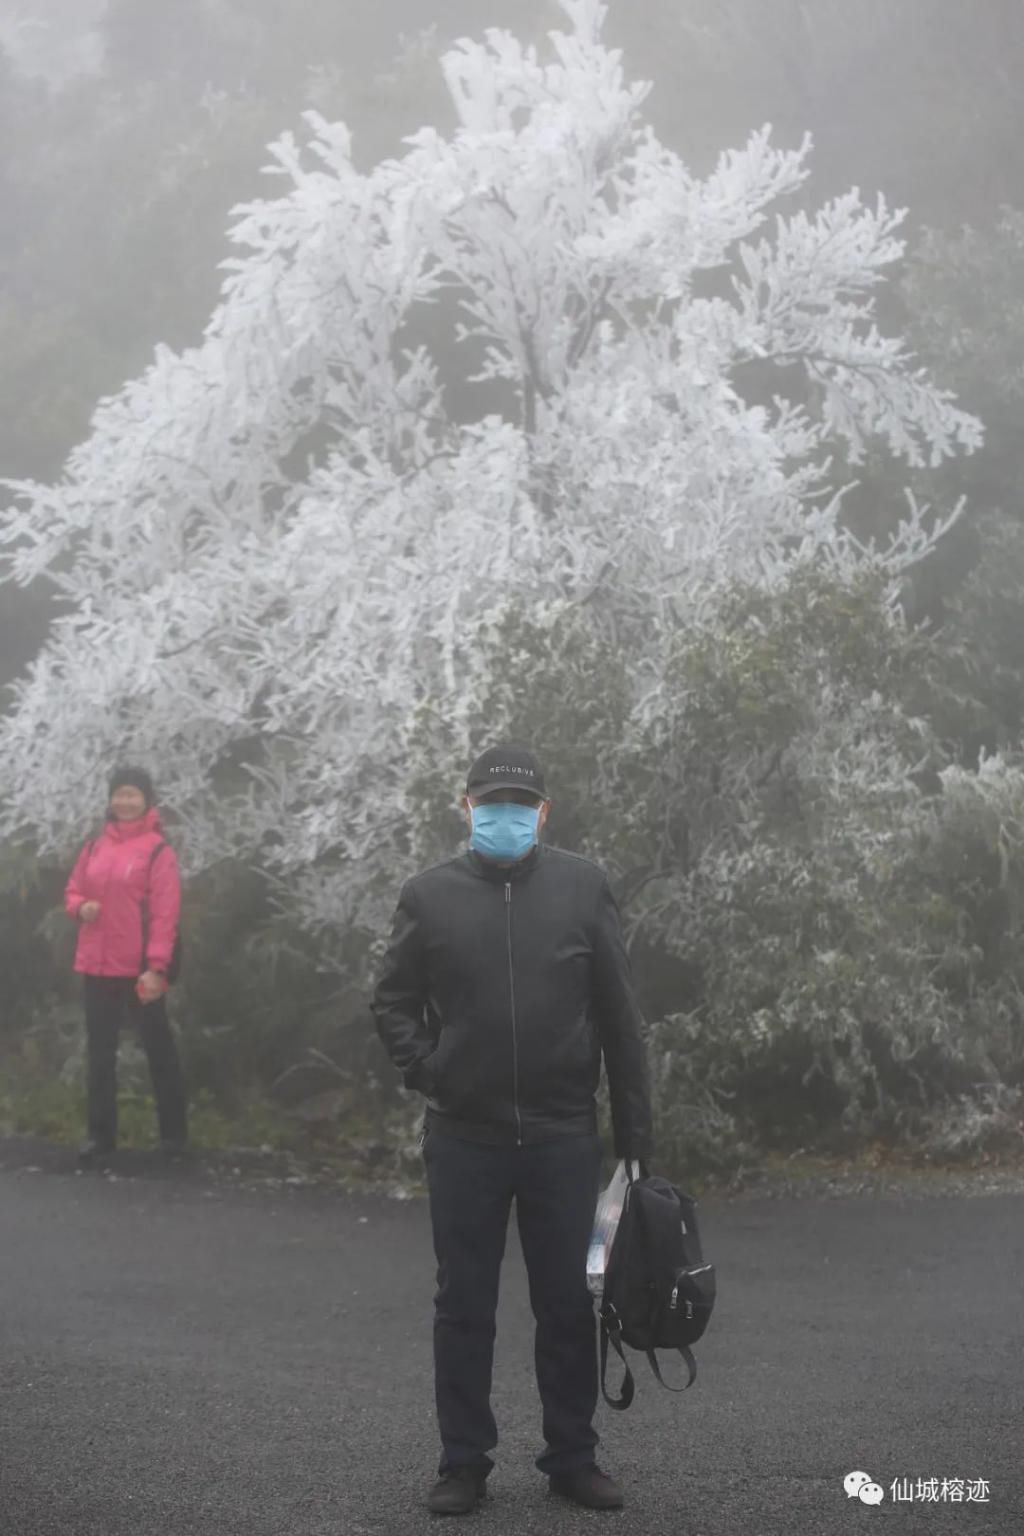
x=280, y=546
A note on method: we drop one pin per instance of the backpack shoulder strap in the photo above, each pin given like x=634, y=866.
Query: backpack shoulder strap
x=144, y=910
x=158, y=848
x=691, y=1366
x=611, y=1330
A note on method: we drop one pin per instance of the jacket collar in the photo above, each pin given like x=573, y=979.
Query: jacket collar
x=489, y=869
x=124, y=831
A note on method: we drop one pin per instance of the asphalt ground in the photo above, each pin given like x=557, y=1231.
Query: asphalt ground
x=185, y=1357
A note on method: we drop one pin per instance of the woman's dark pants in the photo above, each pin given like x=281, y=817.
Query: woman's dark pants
x=109, y=1001
x=555, y=1185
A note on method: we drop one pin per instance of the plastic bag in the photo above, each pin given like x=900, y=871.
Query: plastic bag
x=606, y=1224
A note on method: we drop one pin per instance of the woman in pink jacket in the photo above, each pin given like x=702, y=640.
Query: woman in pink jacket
x=125, y=893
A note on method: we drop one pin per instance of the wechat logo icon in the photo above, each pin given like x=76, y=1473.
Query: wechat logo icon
x=859, y=1485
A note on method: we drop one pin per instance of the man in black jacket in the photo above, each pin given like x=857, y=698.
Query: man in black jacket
x=505, y=981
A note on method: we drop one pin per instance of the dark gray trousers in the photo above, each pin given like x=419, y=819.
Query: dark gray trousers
x=111, y=1001
x=555, y=1185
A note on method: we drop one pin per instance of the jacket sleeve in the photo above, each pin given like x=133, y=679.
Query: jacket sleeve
x=619, y=1024
x=164, y=908
x=400, y=997
x=74, y=897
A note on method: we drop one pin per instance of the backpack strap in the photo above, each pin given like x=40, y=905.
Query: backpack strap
x=614, y=1334
x=691, y=1366
x=145, y=902
x=611, y=1329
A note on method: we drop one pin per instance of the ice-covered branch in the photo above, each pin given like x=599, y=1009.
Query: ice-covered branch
x=277, y=545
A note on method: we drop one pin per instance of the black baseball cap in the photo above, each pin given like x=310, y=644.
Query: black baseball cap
x=506, y=767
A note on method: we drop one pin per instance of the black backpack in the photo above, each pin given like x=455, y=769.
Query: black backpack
x=658, y=1291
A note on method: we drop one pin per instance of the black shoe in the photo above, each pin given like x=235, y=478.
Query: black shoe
x=93, y=1151
x=589, y=1486
x=457, y=1492
x=173, y=1148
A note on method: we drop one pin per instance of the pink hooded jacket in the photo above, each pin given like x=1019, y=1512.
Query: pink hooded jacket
x=115, y=872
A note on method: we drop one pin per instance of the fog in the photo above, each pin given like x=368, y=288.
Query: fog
x=374, y=392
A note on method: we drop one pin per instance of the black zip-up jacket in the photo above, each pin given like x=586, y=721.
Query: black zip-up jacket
x=501, y=989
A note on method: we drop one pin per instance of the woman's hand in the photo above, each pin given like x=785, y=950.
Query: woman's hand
x=89, y=911
x=151, y=986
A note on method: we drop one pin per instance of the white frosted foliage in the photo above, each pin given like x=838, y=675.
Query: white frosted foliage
x=276, y=544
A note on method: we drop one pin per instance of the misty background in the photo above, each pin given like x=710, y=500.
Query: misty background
x=128, y=130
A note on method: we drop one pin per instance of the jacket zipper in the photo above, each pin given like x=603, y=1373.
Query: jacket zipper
x=515, y=1038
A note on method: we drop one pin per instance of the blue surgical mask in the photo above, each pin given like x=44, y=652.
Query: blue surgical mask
x=504, y=831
